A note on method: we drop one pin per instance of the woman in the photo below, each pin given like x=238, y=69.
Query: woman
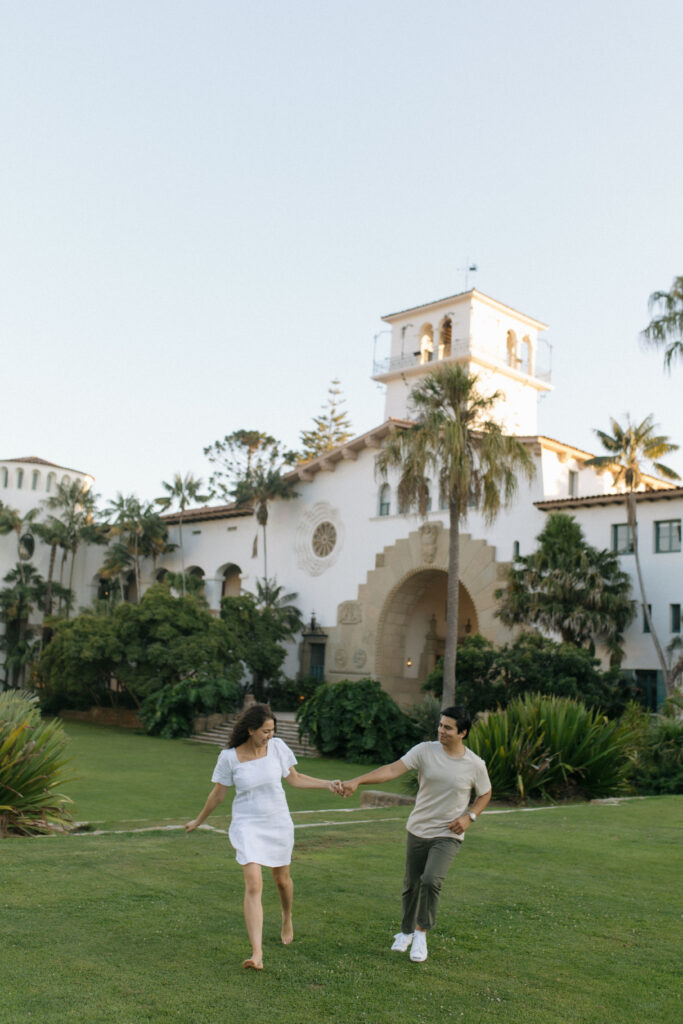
x=261, y=830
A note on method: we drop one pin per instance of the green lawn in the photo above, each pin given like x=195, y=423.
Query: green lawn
x=554, y=916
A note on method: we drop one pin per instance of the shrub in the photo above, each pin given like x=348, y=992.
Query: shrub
x=171, y=712
x=490, y=677
x=551, y=748
x=657, y=756
x=356, y=721
x=31, y=762
x=289, y=694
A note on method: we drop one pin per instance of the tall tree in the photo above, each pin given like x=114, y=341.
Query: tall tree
x=666, y=326
x=12, y=521
x=141, y=530
x=477, y=466
x=331, y=428
x=250, y=468
x=182, y=492
x=76, y=506
x=569, y=588
x=25, y=589
x=632, y=450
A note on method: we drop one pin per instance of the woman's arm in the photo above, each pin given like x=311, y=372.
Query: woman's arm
x=215, y=797
x=300, y=781
x=384, y=774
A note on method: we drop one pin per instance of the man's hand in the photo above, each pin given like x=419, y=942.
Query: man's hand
x=460, y=825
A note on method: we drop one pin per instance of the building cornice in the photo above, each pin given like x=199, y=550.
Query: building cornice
x=467, y=296
x=591, y=500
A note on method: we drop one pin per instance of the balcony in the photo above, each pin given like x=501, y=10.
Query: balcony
x=462, y=349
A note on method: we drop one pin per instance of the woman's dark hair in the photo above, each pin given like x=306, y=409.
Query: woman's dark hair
x=462, y=717
x=252, y=718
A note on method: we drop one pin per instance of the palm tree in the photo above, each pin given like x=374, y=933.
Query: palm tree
x=76, y=506
x=12, y=521
x=666, y=326
x=570, y=588
x=630, y=450
x=250, y=467
x=270, y=595
x=26, y=589
x=183, y=491
x=476, y=464
x=54, y=533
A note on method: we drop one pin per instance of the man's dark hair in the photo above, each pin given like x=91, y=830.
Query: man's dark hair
x=462, y=717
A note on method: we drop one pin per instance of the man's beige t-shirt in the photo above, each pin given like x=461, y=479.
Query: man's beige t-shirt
x=446, y=785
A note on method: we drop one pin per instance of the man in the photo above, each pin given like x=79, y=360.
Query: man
x=448, y=771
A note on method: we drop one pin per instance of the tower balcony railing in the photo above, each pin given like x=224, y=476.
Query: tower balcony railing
x=458, y=350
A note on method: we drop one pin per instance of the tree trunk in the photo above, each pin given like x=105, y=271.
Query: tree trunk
x=632, y=522
x=265, y=556
x=182, y=553
x=452, y=603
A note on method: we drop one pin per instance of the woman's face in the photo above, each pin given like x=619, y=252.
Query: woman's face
x=259, y=737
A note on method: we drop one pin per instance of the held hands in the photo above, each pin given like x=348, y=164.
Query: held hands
x=335, y=786
x=349, y=788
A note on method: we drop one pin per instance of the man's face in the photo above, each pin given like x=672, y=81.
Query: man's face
x=448, y=731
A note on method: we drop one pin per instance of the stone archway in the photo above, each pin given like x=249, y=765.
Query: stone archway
x=394, y=608
x=411, y=632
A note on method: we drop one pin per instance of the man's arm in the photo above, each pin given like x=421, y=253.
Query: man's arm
x=384, y=774
x=460, y=825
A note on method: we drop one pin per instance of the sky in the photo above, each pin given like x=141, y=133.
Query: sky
x=206, y=208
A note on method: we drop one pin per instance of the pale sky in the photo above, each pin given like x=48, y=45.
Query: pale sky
x=207, y=206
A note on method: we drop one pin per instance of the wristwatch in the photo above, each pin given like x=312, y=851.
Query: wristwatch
x=471, y=815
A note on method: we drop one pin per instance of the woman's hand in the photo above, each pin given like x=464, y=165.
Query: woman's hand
x=335, y=786
x=192, y=825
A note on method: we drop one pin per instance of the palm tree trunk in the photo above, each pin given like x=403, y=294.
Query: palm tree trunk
x=265, y=556
x=182, y=553
x=452, y=603
x=632, y=522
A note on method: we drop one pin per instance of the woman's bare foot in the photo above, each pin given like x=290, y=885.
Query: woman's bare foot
x=287, y=933
x=254, y=963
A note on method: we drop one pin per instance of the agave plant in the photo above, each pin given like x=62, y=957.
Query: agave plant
x=31, y=763
x=550, y=747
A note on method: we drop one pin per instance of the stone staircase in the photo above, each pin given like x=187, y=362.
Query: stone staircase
x=287, y=730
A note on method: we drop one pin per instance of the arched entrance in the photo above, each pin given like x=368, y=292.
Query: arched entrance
x=399, y=613
x=411, y=633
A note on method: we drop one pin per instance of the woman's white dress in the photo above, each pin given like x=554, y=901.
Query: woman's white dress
x=261, y=829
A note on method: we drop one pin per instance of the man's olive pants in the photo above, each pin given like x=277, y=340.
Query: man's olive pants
x=427, y=863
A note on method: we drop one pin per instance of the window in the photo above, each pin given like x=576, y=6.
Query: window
x=573, y=486
x=675, y=614
x=428, y=497
x=385, y=500
x=515, y=549
x=20, y=479
x=4, y=475
x=50, y=482
x=668, y=535
x=622, y=541
x=646, y=624
x=35, y=480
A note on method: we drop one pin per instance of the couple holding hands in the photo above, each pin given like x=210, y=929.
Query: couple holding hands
x=262, y=832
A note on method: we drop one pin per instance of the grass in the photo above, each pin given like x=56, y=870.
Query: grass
x=553, y=916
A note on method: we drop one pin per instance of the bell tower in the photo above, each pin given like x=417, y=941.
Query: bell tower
x=497, y=343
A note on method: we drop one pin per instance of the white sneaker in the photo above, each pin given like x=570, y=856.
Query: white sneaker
x=419, y=951
x=402, y=942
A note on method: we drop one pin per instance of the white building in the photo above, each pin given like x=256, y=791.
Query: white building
x=375, y=579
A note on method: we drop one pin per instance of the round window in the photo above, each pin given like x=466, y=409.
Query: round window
x=324, y=539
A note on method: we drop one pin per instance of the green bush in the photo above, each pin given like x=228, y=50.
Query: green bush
x=171, y=712
x=553, y=748
x=356, y=721
x=488, y=677
x=657, y=756
x=289, y=694
x=31, y=762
